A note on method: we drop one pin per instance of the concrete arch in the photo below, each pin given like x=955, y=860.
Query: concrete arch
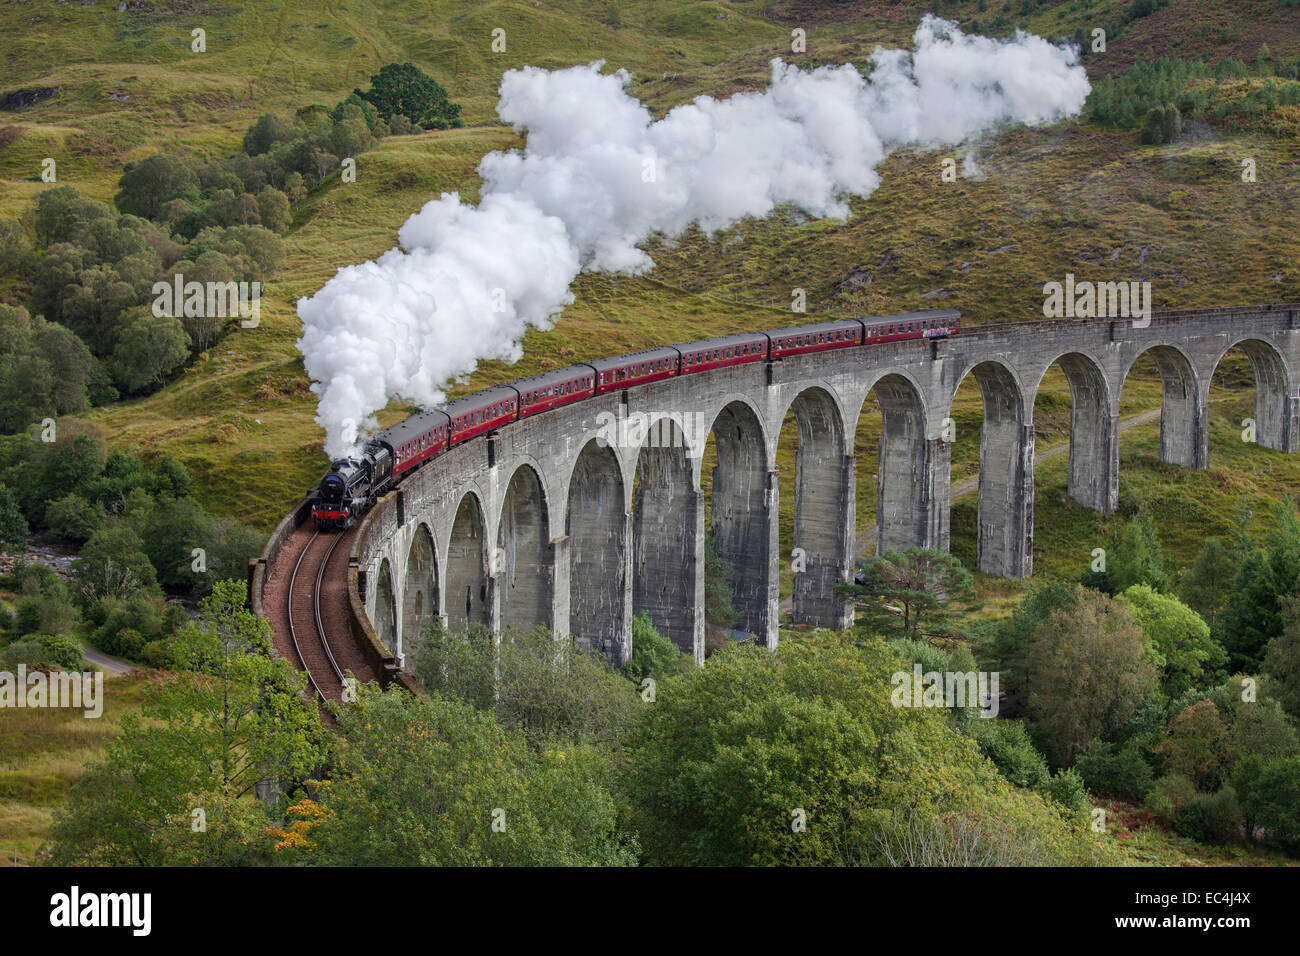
x=1094, y=433
x=419, y=590
x=743, y=516
x=668, y=537
x=1005, y=537
x=597, y=529
x=466, y=572
x=386, y=607
x=526, y=573
x=1184, y=432
x=1275, y=405
x=824, y=488
x=903, y=467
x=710, y=419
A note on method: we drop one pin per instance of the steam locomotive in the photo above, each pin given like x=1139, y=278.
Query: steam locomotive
x=353, y=484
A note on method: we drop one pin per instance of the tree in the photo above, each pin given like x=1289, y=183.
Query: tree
x=1282, y=656
x=273, y=210
x=175, y=528
x=62, y=214
x=907, y=594
x=13, y=526
x=653, y=655
x=1198, y=746
x=147, y=184
x=793, y=757
x=1178, y=641
x=261, y=136
x=233, y=715
x=1205, y=585
x=1134, y=557
x=406, y=89
x=1085, y=673
x=426, y=781
x=533, y=683
x=149, y=350
x=72, y=516
x=113, y=564
x=1012, y=637
x=1275, y=800
x=1267, y=576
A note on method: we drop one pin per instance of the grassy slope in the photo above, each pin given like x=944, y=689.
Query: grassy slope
x=42, y=753
x=1048, y=201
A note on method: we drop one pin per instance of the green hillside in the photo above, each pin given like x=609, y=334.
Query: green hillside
x=1048, y=200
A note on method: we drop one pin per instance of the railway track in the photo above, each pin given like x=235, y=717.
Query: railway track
x=306, y=629
x=306, y=601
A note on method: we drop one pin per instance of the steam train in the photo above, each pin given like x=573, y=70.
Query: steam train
x=353, y=484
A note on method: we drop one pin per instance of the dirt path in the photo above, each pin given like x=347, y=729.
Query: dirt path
x=867, y=538
x=104, y=662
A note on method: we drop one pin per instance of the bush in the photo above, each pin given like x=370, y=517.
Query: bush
x=1121, y=772
x=61, y=651
x=27, y=653
x=1066, y=788
x=157, y=654
x=1274, y=800
x=1211, y=817
x=1007, y=744
x=653, y=655
x=1170, y=795
x=128, y=627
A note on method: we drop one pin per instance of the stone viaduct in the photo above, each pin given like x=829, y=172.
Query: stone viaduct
x=549, y=521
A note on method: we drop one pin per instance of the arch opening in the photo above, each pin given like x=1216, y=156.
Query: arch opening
x=1091, y=428
x=1004, y=518
x=1254, y=362
x=419, y=592
x=667, y=539
x=741, y=492
x=386, y=607
x=821, y=532
x=1184, y=439
x=597, y=526
x=467, y=580
x=526, y=572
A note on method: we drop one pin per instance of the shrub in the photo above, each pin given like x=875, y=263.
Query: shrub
x=1120, y=772
x=61, y=651
x=1007, y=744
x=653, y=655
x=1170, y=795
x=1274, y=800
x=1211, y=817
x=1066, y=788
x=28, y=653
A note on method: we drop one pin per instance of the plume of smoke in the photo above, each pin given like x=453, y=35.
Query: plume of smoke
x=598, y=176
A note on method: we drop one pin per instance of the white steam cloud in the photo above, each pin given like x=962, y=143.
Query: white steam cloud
x=598, y=176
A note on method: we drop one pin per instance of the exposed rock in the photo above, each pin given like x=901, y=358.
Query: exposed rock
x=21, y=99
